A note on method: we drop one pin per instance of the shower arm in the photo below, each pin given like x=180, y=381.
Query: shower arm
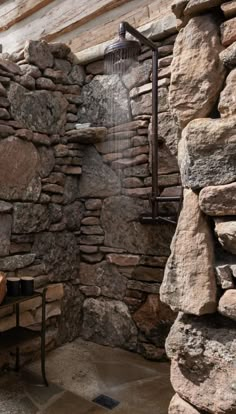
x=123, y=28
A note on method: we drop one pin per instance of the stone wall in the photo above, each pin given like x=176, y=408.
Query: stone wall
x=199, y=280
x=122, y=260
x=72, y=196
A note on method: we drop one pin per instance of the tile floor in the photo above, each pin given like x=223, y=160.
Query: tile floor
x=80, y=371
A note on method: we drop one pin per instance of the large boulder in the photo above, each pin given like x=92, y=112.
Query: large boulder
x=197, y=73
x=190, y=267
x=218, y=200
x=49, y=114
x=108, y=322
x=98, y=179
x=120, y=220
x=202, y=352
x=207, y=152
x=105, y=102
x=19, y=170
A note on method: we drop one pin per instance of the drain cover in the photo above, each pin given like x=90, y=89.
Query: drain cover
x=106, y=401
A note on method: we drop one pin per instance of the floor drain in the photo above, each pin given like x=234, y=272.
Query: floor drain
x=106, y=401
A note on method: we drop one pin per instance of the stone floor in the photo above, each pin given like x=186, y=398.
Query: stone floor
x=78, y=373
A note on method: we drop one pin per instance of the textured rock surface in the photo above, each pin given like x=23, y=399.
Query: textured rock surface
x=194, y=92
x=60, y=254
x=228, y=32
x=227, y=304
x=49, y=115
x=30, y=218
x=108, y=323
x=98, y=180
x=226, y=232
x=207, y=152
x=38, y=53
x=227, y=102
x=195, y=7
x=19, y=170
x=179, y=406
x=138, y=74
x=126, y=231
x=218, y=200
x=5, y=233
x=189, y=268
x=228, y=56
x=202, y=351
x=105, y=102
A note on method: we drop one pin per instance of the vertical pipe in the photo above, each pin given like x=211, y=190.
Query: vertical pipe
x=43, y=337
x=154, y=133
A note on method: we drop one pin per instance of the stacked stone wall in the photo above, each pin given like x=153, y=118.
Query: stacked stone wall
x=72, y=195
x=199, y=280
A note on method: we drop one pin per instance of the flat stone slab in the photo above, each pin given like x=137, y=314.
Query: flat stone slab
x=89, y=135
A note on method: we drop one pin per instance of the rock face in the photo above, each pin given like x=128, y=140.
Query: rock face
x=179, y=406
x=218, y=200
x=189, y=268
x=19, y=170
x=49, y=114
x=108, y=323
x=60, y=254
x=38, y=53
x=207, y=152
x=202, y=351
x=194, y=92
x=5, y=234
x=227, y=103
x=105, y=102
x=98, y=180
x=228, y=56
x=120, y=220
x=226, y=232
x=30, y=218
x=227, y=304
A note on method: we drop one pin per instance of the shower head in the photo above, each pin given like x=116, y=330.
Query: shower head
x=120, y=55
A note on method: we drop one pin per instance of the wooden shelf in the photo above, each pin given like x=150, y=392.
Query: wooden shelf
x=10, y=300
x=16, y=337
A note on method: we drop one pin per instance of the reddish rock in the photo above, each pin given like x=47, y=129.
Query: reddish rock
x=228, y=32
x=122, y=259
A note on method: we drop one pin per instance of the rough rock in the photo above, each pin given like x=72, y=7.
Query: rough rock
x=229, y=8
x=97, y=180
x=138, y=74
x=12, y=263
x=47, y=161
x=178, y=6
x=38, y=53
x=224, y=276
x=206, y=152
x=87, y=135
x=227, y=304
x=5, y=207
x=5, y=234
x=227, y=102
x=187, y=271
x=31, y=70
x=228, y=56
x=168, y=131
x=142, y=104
x=30, y=218
x=19, y=170
x=60, y=254
x=71, y=314
x=195, y=7
x=225, y=229
x=108, y=322
x=202, y=351
x=73, y=214
x=120, y=220
x=218, y=200
x=59, y=50
x=154, y=320
x=77, y=75
x=105, y=101
x=228, y=32
x=179, y=406
x=9, y=66
x=49, y=115
x=194, y=93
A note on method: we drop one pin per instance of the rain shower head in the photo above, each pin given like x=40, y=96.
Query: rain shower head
x=120, y=55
